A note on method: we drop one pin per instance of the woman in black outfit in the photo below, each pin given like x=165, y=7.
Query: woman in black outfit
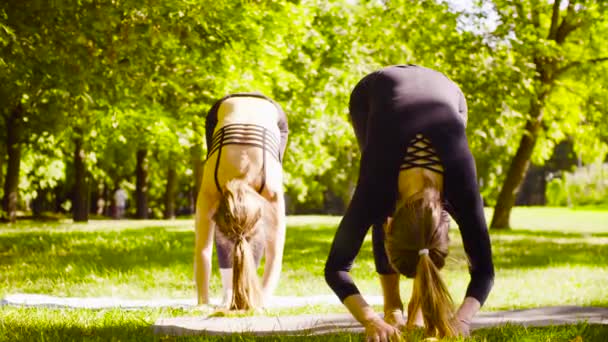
x=416, y=166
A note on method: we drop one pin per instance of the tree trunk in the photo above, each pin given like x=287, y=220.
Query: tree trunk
x=517, y=170
x=141, y=184
x=170, y=192
x=13, y=149
x=80, y=194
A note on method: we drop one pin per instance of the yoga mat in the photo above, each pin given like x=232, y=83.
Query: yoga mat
x=39, y=300
x=332, y=323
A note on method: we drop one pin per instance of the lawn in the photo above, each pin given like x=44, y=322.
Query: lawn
x=553, y=256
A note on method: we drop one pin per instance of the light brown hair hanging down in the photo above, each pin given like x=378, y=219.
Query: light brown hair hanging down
x=239, y=218
x=421, y=224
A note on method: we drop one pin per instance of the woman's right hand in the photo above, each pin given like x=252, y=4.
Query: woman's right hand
x=377, y=330
x=395, y=318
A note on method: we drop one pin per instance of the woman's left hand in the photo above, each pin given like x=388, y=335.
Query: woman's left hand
x=470, y=306
x=463, y=326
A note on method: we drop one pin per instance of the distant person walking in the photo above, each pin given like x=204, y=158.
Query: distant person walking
x=240, y=205
x=120, y=202
x=416, y=166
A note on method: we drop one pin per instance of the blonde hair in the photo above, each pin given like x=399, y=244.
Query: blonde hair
x=238, y=218
x=419, y=224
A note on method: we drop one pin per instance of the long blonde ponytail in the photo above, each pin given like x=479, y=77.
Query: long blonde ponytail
x=431, y=296
x=238, y=215
x=417, y=245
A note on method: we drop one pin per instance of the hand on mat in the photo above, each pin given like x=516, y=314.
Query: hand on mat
x=395, y=318
x=463, y=326
x=204, y=308
x=377, y=330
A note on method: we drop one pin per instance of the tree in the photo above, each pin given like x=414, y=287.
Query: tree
x=554, y=43
x=29, y=84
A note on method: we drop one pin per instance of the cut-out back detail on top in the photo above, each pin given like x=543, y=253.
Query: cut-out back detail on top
x=248, y=135
x=422, y=155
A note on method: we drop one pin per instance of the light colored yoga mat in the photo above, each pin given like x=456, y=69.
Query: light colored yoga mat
x=294, y=325
x=38, y=300
x=331, y=323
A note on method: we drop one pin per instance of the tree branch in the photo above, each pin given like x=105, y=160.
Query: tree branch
x=577, y=63
x=554, y=20
x=568, y=25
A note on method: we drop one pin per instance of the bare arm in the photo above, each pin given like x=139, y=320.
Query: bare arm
x=203, y=247
x=275, y=243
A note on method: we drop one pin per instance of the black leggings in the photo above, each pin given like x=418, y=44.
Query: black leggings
x=223, y=245
x=383, y=266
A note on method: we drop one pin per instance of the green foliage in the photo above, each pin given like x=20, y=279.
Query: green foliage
x=41, y=171
x=586, y=186
x=145, y=76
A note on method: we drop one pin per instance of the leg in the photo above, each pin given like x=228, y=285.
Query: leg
x=462, y=108
x=393, y=307
x=224, y=259
x=224, y=249
x=210, y=123
x=414, y=319
x=226, y=276
x=389, y=280
x=358, y=108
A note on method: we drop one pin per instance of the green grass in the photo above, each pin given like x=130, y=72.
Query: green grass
x=554, y=256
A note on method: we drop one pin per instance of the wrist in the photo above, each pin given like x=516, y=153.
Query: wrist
x=470, y=306
x=371, y=320
x=464, y=321
x=391, y=307
x=392, y=312
x=369, y=317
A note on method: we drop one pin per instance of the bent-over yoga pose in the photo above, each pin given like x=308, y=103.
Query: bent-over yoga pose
x=416, y=166
x=240, y=205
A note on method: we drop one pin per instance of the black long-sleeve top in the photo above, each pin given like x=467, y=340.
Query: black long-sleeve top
x=397, y=103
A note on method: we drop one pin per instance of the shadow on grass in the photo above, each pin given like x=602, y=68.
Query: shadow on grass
x=306, y=243
x=112, y=251
x=121, y=251
x=525, y=249
x=547, y=233
x=306, y=248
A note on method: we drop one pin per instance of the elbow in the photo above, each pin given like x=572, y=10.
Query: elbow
x=332, y=275
x=205, y=256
